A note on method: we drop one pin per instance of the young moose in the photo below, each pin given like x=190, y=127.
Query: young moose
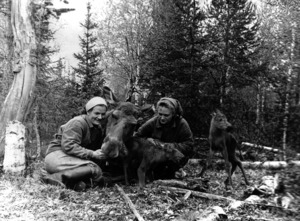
x=222, y=140
x=119, y=142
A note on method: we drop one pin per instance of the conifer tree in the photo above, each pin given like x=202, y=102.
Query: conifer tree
x=88, y=70
x=171, y=52
x=232, y=32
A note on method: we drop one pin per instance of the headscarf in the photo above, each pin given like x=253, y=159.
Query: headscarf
x=94, y=102
x=172, y=103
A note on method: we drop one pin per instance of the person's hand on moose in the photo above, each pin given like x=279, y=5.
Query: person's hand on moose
x=99, y=155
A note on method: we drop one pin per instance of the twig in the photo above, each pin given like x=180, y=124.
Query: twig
x=130, y=204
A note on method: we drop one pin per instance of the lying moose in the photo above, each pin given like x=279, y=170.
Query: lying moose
x=119, y=141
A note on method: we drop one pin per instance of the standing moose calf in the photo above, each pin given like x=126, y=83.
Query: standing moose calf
x=222, y=140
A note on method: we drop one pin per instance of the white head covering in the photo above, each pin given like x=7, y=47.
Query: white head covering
x=94, y=102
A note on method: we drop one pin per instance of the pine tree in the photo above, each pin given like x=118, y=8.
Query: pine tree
x=232, y=31
x=88, y=71
x=171, y=52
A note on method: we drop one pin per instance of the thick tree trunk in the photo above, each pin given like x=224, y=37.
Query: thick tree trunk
x=15, y=106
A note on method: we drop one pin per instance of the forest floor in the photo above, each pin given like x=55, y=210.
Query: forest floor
x=29, y=199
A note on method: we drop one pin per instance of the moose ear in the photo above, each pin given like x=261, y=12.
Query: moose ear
x=213, y=114
x=109, y=95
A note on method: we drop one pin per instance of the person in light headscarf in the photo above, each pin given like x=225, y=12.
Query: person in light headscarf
x=168, y=127
x=72, y=158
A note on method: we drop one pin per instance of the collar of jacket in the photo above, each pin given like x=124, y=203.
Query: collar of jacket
x=159, y=125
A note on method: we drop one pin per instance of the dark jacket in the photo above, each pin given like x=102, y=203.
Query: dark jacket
x=178, y=133
x=78, y=137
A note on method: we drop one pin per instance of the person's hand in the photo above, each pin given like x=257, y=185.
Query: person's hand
x=99, y=155
x=151, y=140
x=156, y=142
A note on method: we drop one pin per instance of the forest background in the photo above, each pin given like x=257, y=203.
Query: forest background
x=230, y=55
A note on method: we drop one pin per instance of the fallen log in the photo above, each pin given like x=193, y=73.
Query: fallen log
x=254, y=165
x=174, y=183
x=271, y=164
x=129, y=203
x=275, y=150
x=198, y=194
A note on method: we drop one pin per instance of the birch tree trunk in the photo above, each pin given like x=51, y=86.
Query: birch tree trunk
x=14, y=160
x=16, y=106
x=288, y=89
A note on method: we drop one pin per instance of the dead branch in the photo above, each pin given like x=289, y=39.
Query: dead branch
x=198, y=194
x=173, y=183
x=130, y=204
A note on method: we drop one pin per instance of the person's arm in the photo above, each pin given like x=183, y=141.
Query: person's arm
x=183, y=140
x=146, y=129
x=71, y=140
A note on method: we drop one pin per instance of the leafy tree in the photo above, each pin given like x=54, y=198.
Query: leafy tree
x=282, y=32
x=123, y=31
x=88, y=71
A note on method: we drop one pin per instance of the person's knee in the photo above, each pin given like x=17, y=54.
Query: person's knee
x=96, y=172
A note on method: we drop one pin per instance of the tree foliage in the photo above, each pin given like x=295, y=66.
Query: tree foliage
x=88, y=72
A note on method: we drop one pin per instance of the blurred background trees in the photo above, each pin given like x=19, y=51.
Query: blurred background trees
x=238, y=55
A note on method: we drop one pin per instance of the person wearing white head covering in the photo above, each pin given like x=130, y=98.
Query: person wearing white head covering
x=72, y=155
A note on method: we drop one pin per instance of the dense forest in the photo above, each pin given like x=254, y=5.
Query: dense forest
x=237, y=56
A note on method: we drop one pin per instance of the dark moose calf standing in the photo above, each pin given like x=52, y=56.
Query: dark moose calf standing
x=149, y=156
x=222, y=140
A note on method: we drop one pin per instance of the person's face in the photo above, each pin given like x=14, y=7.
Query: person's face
x=97, y=114
x=165, y=114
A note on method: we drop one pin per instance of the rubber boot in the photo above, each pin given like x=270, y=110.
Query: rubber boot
x=52, y=179
x=70, y=178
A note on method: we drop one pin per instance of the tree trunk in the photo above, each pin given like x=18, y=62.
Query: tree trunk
x=37, y=134
x=14, y=159
x=6, y=41
x=258, y=103
x=16, y=106
x=288, y=91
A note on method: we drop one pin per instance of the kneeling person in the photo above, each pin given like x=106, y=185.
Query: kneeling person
x=168, y=128
x=73, y=155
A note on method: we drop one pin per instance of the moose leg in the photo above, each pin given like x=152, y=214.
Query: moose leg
x=125, y=168
x=240, y=165
x=142, y=172
x=208, y=161
x=227, y=165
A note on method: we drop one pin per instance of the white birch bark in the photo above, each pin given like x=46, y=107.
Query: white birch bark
x=14, y=158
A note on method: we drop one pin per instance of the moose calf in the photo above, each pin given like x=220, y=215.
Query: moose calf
x=149, y=156
x=119, y=141
x=222, y=140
